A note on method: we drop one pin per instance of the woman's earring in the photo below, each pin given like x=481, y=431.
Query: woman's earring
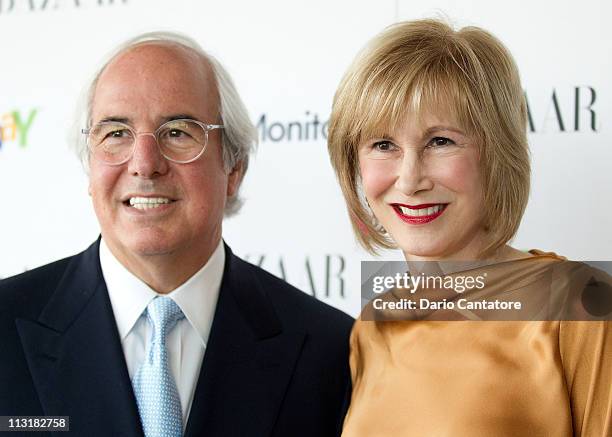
x=375, y=223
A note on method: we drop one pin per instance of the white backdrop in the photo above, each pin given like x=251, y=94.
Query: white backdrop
x=286, y=59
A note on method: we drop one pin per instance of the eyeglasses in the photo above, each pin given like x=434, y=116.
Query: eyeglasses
x=181, y=141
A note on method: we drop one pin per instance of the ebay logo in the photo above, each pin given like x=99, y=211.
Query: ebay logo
x=15, y=126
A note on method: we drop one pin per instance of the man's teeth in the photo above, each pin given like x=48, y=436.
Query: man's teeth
x=148, y=202
x=421, y=212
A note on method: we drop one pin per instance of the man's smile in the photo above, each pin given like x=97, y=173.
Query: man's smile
x=148, y=202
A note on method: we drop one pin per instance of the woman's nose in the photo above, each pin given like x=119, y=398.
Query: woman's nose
x=412, y=174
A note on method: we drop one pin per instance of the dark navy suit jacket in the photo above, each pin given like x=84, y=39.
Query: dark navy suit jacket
x=276, y=363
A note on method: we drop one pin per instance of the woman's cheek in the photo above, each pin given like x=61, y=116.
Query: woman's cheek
x=376, y=178
x=460, y=175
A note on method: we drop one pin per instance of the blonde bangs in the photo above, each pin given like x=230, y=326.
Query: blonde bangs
x=445, y=94
x=390, y=94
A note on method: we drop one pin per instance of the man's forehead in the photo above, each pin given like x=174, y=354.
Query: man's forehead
x=159, y=53
x=151, y=70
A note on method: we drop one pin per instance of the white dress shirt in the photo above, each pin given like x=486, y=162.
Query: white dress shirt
x=186, y=343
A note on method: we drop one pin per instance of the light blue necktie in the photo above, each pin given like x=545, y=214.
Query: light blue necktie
x=158, y=400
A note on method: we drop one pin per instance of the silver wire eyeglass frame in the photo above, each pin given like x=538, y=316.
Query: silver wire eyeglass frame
x=206, y=127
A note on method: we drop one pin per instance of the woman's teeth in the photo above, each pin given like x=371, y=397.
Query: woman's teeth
x=421, y=212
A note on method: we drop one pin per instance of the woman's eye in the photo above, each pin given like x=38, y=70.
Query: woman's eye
x=382, y=146
x=440, y=142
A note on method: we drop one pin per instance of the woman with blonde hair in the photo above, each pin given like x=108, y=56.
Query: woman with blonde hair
x=428, y=138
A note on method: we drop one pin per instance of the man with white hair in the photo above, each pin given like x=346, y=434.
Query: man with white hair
x=157, y=329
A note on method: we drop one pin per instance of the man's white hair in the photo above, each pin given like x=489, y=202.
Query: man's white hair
x=239, y=137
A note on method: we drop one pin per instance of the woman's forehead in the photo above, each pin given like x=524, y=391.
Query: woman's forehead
x=422, y=103
x=427, y=119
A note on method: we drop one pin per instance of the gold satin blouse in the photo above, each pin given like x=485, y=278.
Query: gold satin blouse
x=481, y=378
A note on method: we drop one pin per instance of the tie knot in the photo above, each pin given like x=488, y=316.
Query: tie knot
x=163, y=313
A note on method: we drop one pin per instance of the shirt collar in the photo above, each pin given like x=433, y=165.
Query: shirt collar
x=197, y=297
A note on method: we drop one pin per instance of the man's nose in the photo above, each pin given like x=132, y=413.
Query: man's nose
x=147, y=160
x=412, y=174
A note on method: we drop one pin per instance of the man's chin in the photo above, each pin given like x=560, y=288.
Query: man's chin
x=152, y=246
x=144, y=243
x=151, y=250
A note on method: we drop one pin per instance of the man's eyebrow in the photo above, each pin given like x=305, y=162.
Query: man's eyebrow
x=124, y=120
x=178, y=117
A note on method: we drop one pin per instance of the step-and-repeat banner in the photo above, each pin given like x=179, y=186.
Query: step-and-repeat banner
x=287, y=59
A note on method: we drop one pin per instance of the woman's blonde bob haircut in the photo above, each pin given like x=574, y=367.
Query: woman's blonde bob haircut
x=425, y=66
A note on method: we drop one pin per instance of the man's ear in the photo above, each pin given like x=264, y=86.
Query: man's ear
x=234, y=179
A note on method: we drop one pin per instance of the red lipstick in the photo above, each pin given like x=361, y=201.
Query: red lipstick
x=418, y=219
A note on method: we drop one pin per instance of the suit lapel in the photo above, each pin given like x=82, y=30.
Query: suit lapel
x=77, y=364
x=75, y=356
x=248, y=361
